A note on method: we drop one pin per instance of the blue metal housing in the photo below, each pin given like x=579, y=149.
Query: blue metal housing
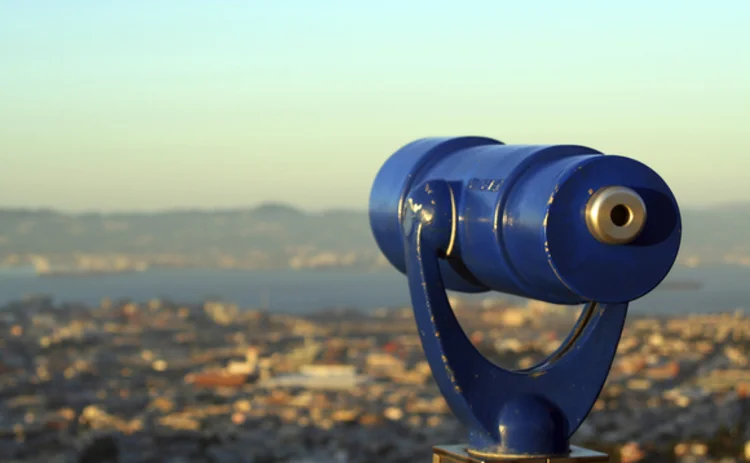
x=472, y=214
x=521, y=227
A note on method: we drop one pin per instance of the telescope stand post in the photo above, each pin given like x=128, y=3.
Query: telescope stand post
x=458, y=454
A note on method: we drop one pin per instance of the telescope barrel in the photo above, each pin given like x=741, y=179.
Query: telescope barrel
x=564, y=224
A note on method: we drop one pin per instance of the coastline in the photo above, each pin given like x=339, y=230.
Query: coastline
x=723, y=289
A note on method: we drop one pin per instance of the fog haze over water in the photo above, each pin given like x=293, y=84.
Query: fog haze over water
x=724, y=288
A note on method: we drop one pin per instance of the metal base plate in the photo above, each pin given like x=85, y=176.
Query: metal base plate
x=458, y=454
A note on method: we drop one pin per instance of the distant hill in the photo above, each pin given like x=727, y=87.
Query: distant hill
x=267, y=236
x=722, y=229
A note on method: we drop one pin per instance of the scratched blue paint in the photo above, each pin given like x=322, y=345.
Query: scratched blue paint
x=512, y=219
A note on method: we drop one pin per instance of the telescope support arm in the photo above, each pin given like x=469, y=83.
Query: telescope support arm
x=508, y=413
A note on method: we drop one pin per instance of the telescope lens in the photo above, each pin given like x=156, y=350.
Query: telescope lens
x=621, y=215
x=615, y=215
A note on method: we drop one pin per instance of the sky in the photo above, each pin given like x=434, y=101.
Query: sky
x=144, y=105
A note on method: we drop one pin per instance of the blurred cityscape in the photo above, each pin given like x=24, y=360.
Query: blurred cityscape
x=214, y=382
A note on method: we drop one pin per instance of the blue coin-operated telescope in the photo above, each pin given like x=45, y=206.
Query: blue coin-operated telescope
x=562, y=224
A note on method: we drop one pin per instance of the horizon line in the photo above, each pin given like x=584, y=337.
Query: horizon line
x=262, y=205
x=177, y=209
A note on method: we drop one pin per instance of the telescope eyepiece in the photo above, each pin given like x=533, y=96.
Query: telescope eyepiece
x=615, y=215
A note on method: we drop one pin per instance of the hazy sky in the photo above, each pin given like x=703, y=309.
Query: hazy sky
x=149, y=105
